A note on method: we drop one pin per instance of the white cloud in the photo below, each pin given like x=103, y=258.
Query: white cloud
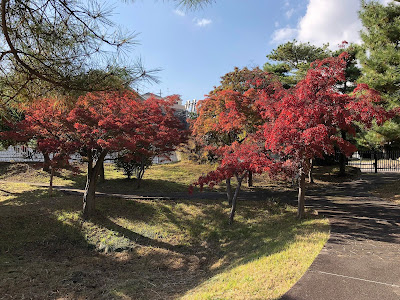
x=289, y=13
x=328, y=21
x=202, y=22
x=284, y=34
x=276, y=24
x=325, y=21
x=179, y=13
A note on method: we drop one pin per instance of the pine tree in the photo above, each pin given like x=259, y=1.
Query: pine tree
x=380, y=61
x=292, y=60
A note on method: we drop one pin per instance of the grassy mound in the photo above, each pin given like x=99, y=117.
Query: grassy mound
x=159, y=179
x=150, y=249
x=330, y=174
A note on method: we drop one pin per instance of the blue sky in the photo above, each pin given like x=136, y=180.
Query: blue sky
x=195, y=48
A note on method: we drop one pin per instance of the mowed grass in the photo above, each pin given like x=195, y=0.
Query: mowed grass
x=136, y=249
x=389, y=191
x=166, y=178
x=158, y=179
x=173, y=177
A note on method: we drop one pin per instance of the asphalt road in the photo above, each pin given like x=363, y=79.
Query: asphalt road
x=361, y=260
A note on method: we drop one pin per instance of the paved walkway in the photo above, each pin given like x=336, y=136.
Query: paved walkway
x=361, y=260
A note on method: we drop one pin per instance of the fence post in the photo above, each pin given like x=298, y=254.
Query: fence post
x=376, y=161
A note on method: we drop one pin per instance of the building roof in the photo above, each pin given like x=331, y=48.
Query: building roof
x=148, y=95
x=176, y=106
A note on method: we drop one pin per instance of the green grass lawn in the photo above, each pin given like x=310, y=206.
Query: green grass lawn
x=158, y=179
x=174, y=177
x=136, y=249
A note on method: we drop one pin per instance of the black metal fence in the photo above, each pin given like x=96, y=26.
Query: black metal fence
x=374, y=161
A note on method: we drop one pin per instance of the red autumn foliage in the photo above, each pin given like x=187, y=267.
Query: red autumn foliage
x=225, y=114
x=98, y=124
x=121, y=121
x=237, y=160
x=227, y=126
x=296, y=124
x=114, y=121
x=305, y=121
x=45, y=123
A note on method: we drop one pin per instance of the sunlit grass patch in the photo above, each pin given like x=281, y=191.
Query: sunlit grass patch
x=270, y=268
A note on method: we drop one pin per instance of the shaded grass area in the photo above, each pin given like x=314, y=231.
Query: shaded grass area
x=331, y=174
x=389, y=191
x=32, y=172
x=150, y=249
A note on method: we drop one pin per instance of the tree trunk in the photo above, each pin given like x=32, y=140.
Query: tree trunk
x=140, y=174
x=301, y=196
x=310, y=173
x=102, y=178
x=46, y=162
x=229, y=191
x=250, y=179
x=342, y=158
x=51, y=182
x=89, y=197
x=90, y=189
x=234, y=198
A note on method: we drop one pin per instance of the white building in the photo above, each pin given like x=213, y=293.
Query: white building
x=190, y=106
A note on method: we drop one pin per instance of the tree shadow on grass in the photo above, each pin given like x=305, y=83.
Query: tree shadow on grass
x=147, y=187
x=331, y=174
x=210, y=239
x=34, y=209
x=78, y=179
x=10, y=169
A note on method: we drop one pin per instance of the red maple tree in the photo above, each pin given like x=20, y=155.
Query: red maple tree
x=98, y=124
x=121, y=121
x=305, y=121
x=45, y=124
x=227, y=127
x=297, y=124
x=238, y=159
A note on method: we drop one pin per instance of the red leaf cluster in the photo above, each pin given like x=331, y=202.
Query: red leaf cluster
x=293, y=125
x=237, y=160
x=306, y=120
x=97, y=122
